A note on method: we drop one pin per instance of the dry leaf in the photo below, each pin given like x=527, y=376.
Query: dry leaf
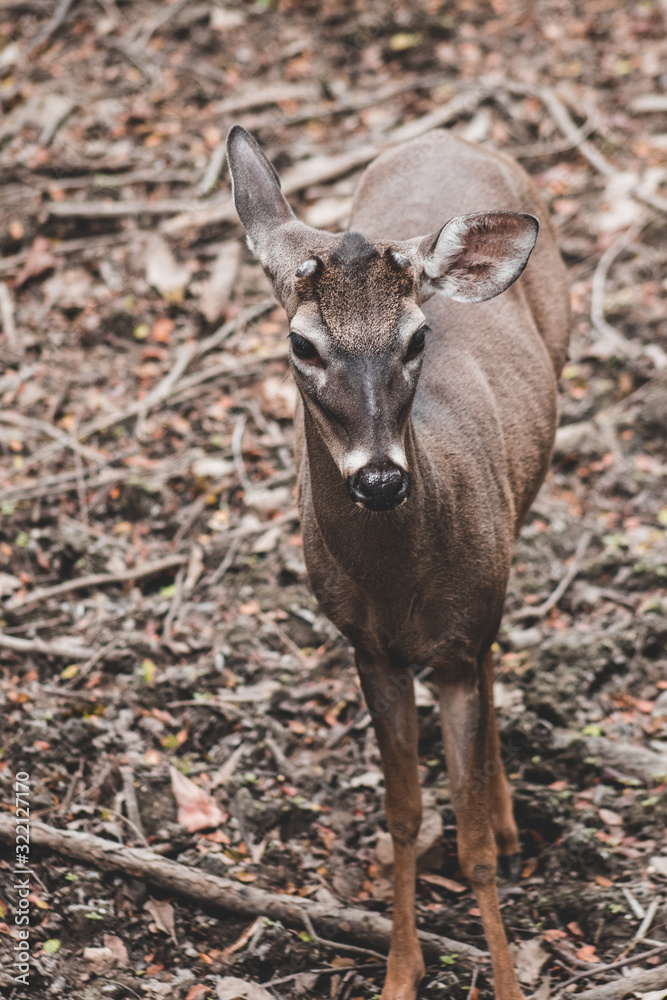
x=529, y=958
x=162, y=913
x=238, y=989
x=446, y=883
x=39, y=259
x=610, y=817
x=197, y=810
x=100, y=960
x=217, y=291
x=163, y=271
x=117, y=948
x=277, y=397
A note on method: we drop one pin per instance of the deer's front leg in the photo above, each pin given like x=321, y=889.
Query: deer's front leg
x=390, y=698
x=474, y=766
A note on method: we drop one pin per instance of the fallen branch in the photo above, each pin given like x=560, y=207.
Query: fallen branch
x=44, y=427
x=563, y=119
x=115, y=209
x=65, y=648
x=610, y=340
x=321, y=169
x=223, y=893
x=7, y=321
x=54, y=23
x=643, y=979
x=96, y=580
x=639, y=762
x=595, y=970
x=170, y=382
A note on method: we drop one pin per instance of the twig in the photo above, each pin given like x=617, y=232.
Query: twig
x=563, y=119
x=231, y=366
x=645, y=925
x=597, y=969
x=64, y=647
x=131, y=804
x=637, y=761
x=80, y=483
x=320, y=169
x=575, y=565
x=43, y=426
x=612, y=340
x=350, y=948
x=552, y=148
x=9, y=265
x=174, y=606
x=226, y=563
x=213, y=170
x=96, y=580
x=280, y=758
x=188, y=354
x=633, y=903
x=67, y=801
x=115, y=209
x=92, y=661
x=226, y=894
x=56, y=20
x=237, y=452
x=14, y=342
x=332, y=971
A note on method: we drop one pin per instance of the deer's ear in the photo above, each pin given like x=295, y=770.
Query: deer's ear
x=256, y=189
x=475, y=257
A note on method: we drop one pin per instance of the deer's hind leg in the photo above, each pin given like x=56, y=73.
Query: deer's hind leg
x=480, y=802
x=390, y=698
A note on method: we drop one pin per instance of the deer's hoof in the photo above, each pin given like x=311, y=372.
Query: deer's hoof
x=401, y=984
x=510, y=866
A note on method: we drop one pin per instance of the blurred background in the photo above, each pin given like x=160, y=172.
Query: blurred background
x=155, y=618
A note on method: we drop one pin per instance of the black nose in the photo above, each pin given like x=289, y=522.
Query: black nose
x=379, y=487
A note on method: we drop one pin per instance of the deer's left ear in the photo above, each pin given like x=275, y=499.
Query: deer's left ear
x=475, y=257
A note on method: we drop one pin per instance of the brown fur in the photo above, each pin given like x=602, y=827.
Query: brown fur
x=424, y=585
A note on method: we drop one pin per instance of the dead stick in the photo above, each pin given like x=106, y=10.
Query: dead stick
x=320, y=169
x=116, y=209
x=7, y=321
x=224, y=893
x=541, y=610
x=173, y=379
x=597, y=969
x=58, y=17
x=643, y=979
x=65, y=648
x=96, y=580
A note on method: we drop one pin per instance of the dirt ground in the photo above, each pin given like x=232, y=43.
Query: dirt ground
x=145, y=433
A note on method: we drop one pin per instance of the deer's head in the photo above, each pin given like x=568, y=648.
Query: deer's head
x=357, y=331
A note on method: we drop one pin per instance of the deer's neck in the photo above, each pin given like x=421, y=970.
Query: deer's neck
x=371, y=548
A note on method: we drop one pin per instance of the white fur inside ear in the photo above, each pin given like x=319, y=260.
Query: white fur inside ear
x=476, y=257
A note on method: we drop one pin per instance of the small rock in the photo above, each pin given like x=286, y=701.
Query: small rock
x=524, y=638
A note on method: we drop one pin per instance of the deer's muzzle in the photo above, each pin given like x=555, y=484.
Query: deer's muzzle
x=381, y=486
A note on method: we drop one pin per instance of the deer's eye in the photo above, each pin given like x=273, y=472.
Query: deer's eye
x=304, y=350
x=417, y=341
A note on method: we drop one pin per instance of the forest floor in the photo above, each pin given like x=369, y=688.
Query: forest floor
x=145, y=439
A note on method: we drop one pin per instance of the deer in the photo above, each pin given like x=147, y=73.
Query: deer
x=426, y=344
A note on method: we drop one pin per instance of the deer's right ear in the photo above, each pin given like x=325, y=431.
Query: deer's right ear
x=256, y=190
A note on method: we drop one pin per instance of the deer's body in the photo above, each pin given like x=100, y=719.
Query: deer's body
x=479, y=444
x=446, y=438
